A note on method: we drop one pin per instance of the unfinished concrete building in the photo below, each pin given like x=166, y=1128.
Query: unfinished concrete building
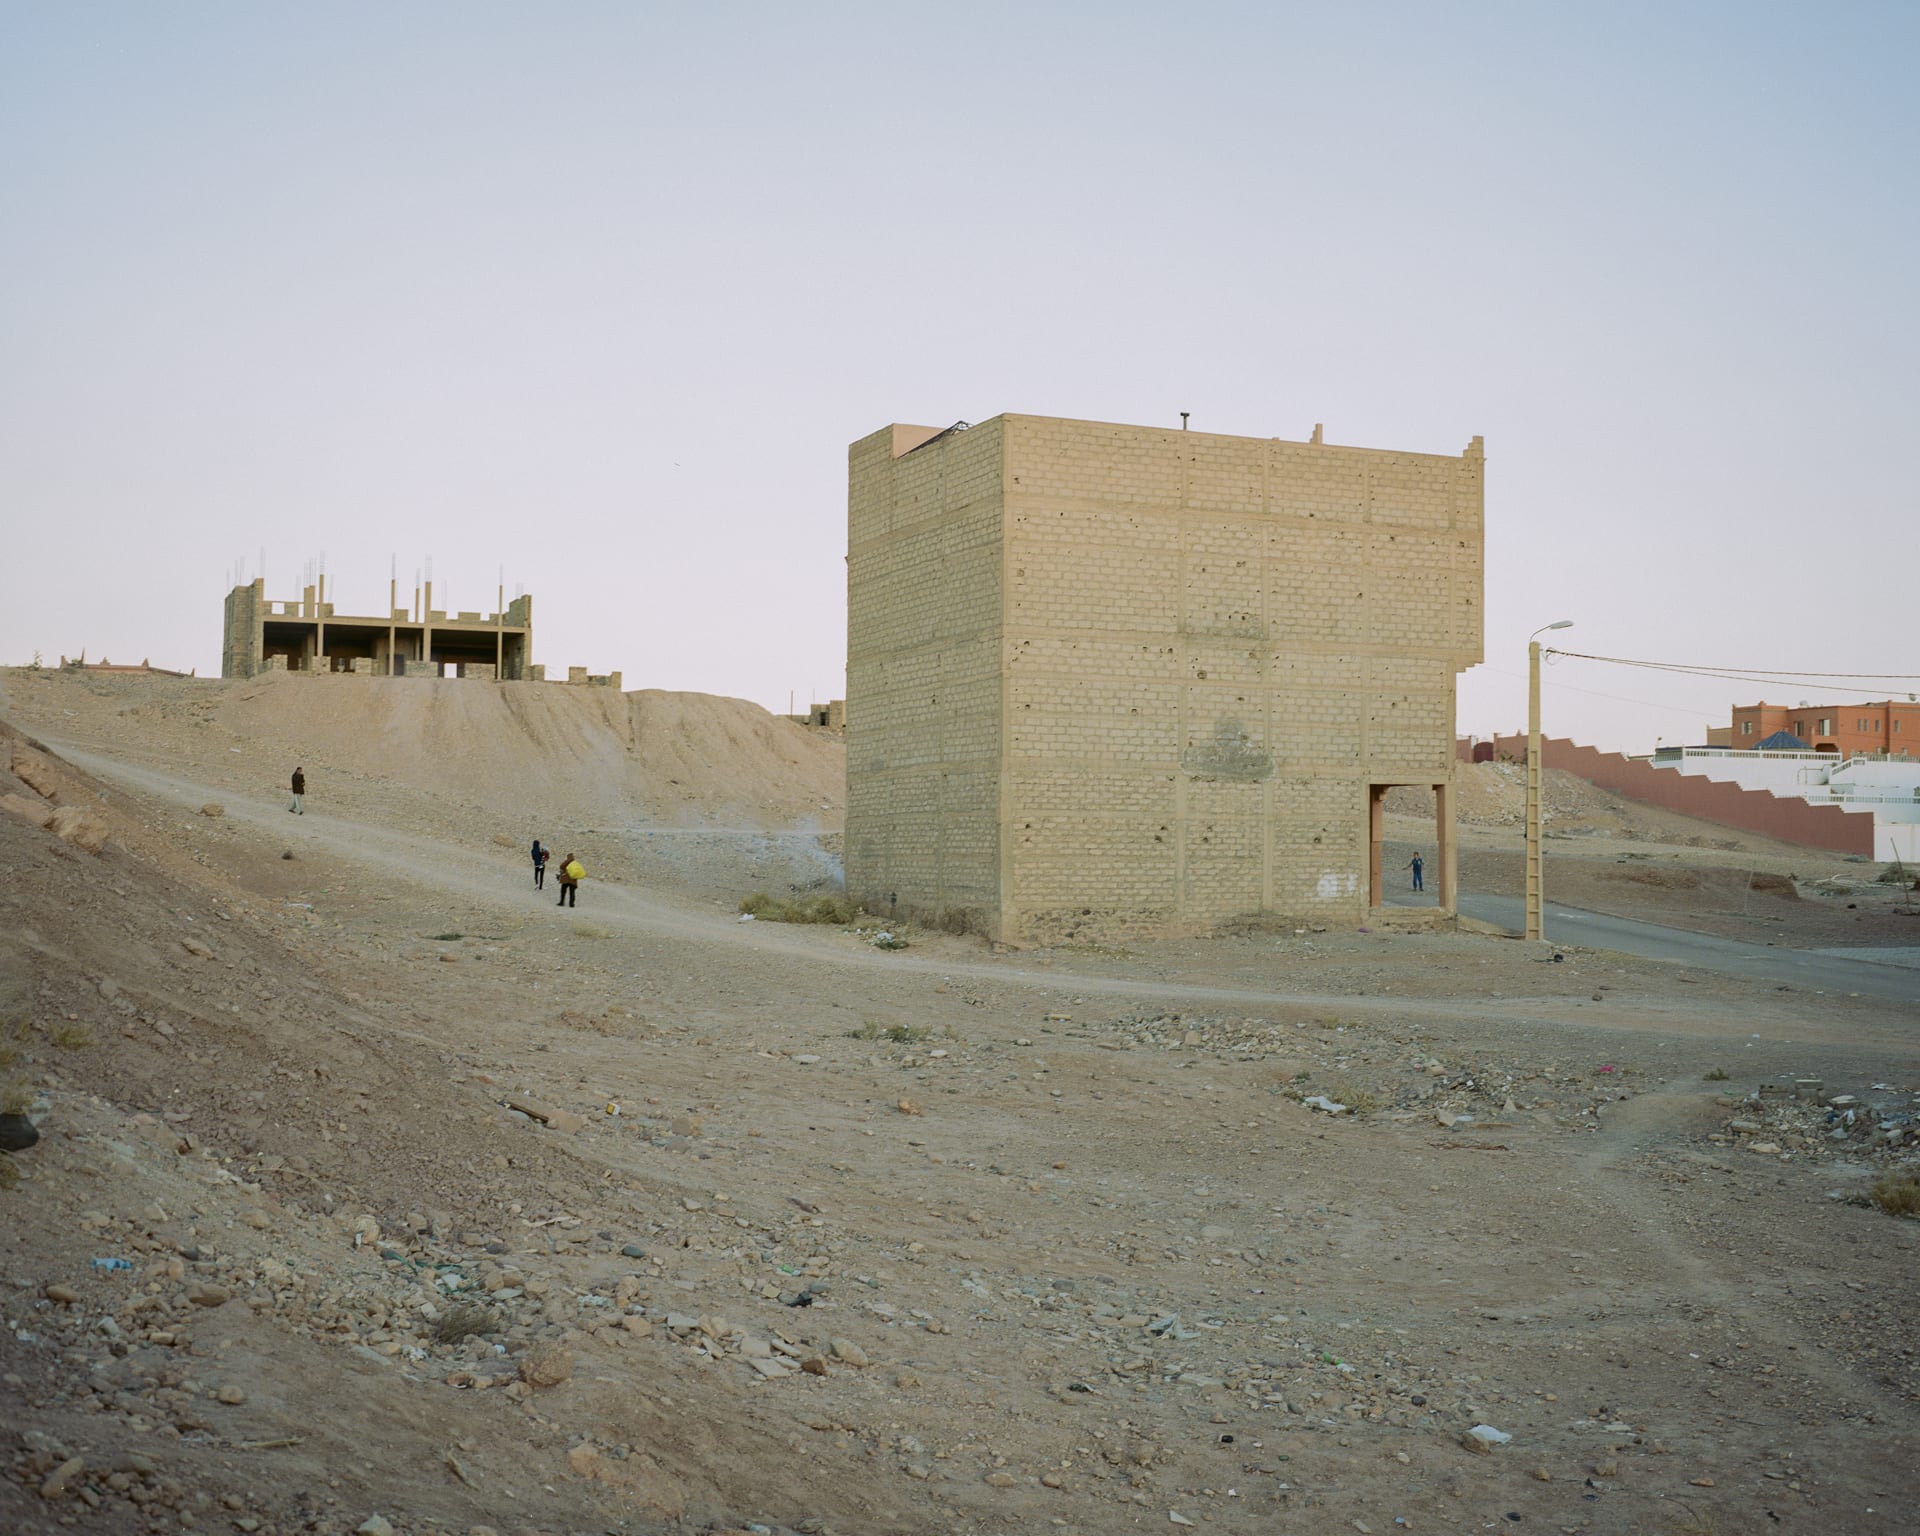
x=420, y=641
x=1111, y=679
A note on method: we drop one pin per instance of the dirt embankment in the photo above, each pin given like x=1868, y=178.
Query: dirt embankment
x=685, y=791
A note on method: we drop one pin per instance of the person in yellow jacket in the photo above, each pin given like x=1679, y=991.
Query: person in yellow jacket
x=570, y=873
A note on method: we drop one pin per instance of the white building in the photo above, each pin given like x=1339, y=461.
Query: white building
x=1888, y=787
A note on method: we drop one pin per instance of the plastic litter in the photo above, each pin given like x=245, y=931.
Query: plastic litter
x=113, y=1266
x=1487, y=1433
x=1321, y=1101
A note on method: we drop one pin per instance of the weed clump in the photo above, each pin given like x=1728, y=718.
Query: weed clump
x=1717, y=1075
x=464, y=1321
x=1359, y=1101
x=1898, y=1194
x=805, y=909
x=893, y=1034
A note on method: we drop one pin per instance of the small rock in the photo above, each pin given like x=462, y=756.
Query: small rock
x=213, y=809
x=852, y=1353
x=232, y=1396
x=374, y=1525
x=195, y=948
x=73, y=825
x=208, y=1295
x=66, y=1295
x=62, y=1477
x=1001, y=1479
x=546, y=1365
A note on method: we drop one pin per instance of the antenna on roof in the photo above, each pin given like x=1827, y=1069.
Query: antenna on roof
x=1183, y=420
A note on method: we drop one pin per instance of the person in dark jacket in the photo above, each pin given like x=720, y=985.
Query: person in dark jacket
x=299, y=792
x=539, y=866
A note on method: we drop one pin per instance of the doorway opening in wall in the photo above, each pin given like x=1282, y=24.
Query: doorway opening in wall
x=1410, y=853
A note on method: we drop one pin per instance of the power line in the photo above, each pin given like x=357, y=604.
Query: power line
x=1693, y=710
x=1736, y=674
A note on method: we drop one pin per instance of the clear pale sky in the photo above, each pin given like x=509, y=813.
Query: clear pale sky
x=600, y=293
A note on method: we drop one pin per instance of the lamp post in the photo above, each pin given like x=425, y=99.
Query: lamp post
x=1534, y=898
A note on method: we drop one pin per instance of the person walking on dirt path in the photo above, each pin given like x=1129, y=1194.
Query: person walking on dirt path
x=1416, y=865
x=299, y=792
x=539, y=866
x=569, y=882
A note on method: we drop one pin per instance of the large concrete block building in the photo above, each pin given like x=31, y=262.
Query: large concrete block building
x=1110, y=679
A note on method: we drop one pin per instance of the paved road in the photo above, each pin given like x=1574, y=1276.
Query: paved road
x=1807, y=970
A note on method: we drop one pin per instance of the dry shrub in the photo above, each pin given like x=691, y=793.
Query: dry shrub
x=959, y=921
x=893, y=1034
x=805, y=909
x=1898, y=1194
x=69, y=1036
x=1255, y=925
x=463, y=1321
x=1359, y=1101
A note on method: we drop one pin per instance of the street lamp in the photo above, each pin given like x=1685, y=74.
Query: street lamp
x=1534, y=901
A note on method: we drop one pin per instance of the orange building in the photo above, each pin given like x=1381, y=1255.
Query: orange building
x=1845, y=729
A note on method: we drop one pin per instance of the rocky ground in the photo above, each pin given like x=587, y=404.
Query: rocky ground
x=374, y=1192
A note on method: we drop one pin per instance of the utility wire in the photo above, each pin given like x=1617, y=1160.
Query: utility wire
x=1744, y=674
x=1594, y=693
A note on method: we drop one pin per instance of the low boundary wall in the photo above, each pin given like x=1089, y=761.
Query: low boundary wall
x=1759, y=811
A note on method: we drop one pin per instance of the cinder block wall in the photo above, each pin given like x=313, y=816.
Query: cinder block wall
x=1168, y=665
x=240, y=644
x=924, y=588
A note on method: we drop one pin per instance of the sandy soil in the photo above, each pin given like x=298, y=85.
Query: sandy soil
x=817, y=1236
